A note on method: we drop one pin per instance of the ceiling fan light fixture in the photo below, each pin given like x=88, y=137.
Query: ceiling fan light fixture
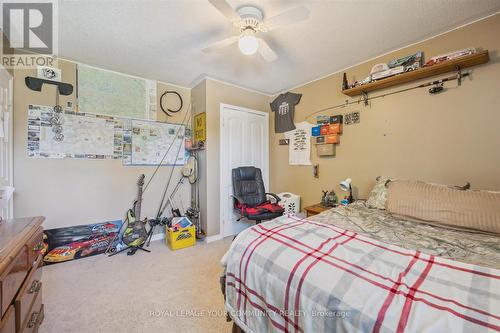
x=248, y=43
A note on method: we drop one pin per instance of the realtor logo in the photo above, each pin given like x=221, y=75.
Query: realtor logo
x=27, y=27
x=29, y=32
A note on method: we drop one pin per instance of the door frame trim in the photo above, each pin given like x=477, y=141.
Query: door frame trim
x=221, y=140
x=9, y=104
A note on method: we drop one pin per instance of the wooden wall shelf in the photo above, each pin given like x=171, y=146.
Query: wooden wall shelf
x=478, y=58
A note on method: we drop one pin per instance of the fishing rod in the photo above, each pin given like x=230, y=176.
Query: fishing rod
x=438, y=87
x=183, y=123
x=161, y=208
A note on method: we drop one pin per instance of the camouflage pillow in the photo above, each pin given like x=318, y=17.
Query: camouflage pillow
x=378, y=195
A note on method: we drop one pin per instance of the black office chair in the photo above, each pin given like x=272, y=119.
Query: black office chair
x=250, y=197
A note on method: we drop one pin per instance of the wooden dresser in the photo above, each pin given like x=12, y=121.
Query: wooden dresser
x=21, y=308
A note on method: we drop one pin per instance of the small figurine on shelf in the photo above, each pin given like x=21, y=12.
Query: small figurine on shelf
x=345, y=84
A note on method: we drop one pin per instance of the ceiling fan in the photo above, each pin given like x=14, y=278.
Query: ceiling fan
x=250, y=21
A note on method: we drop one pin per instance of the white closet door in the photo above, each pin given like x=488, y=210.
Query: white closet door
x=244, y=142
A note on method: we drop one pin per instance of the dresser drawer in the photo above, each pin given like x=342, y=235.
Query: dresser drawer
x=8, y=322
x=13, y=277
x=28, y=292
x=35, y=245
x=35, y=316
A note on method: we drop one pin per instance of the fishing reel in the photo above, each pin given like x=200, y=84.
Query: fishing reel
x=159, y=222
x=437, y=89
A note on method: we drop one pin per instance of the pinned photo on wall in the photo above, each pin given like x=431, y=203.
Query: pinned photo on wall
x=352, y=118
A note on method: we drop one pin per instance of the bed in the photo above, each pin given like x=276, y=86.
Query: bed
x=358, y=269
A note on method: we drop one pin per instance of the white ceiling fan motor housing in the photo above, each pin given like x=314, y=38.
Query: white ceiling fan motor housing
x=251, y=18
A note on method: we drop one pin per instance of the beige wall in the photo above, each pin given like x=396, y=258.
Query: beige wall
x=199, y=104
x=215, y=93
x=70, y=191
x=450, y=138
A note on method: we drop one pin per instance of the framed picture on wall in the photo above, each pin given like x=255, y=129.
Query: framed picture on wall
x=200, y=127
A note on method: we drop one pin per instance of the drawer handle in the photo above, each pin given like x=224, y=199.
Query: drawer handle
x=34, y=319
x=35, y=287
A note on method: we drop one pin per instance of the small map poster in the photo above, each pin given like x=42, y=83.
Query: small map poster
x=68, y=134
x=150, y=142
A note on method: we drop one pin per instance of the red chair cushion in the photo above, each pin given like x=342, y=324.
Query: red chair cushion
x=260, y=209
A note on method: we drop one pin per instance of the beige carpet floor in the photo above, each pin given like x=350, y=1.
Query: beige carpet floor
x=161, y=291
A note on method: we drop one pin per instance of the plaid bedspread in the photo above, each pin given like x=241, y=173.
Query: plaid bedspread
x=292, y=275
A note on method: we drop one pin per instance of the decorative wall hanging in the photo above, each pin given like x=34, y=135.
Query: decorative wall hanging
x=36, y=84
x=200, y=128
x=165, y=108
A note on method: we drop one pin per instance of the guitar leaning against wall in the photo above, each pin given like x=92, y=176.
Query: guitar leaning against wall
x=135, y=233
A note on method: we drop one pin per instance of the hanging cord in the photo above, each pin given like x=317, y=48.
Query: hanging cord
x=183, y=123
x=195, y=169
x=365, y=99
x=168, y=109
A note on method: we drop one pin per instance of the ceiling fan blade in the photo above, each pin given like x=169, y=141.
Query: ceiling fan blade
x=221, y=44
x=226, y=9
x=288, y=17
x=266, y=51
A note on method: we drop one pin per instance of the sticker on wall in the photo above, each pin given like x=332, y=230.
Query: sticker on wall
x=70, y=243
x=284, y=142
x=48, y=73
x=352, y=118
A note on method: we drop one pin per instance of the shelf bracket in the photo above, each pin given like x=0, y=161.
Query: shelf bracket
x=365, y=97
x=459, y=75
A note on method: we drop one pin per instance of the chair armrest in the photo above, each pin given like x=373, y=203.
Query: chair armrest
x=278, y=199
x=238, y=199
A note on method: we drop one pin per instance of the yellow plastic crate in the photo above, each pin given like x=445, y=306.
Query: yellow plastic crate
x=181, y=238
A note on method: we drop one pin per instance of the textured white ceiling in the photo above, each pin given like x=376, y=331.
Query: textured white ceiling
x=162, y=39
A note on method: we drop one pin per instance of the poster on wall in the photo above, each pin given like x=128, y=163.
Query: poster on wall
x=70, y=243
x=152, y=143
x=74, y=135
x=106, y=92
x=68, y=134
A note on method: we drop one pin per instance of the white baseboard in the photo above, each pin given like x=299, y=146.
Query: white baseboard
x=210, y=239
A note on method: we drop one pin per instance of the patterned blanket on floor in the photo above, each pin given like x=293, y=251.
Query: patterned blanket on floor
x=292, y=275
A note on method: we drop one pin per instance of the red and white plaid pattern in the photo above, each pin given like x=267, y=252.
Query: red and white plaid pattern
x=291, y=275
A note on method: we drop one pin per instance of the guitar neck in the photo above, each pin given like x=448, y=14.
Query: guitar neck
x=138, y=204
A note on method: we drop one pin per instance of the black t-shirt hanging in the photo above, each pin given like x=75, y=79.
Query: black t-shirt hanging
x=284, y=107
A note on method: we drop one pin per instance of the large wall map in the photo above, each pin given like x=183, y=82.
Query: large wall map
x=81, y=135
x=118, y=95
x=70, y=134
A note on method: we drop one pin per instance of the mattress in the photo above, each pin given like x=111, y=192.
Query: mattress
x=357, y=269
